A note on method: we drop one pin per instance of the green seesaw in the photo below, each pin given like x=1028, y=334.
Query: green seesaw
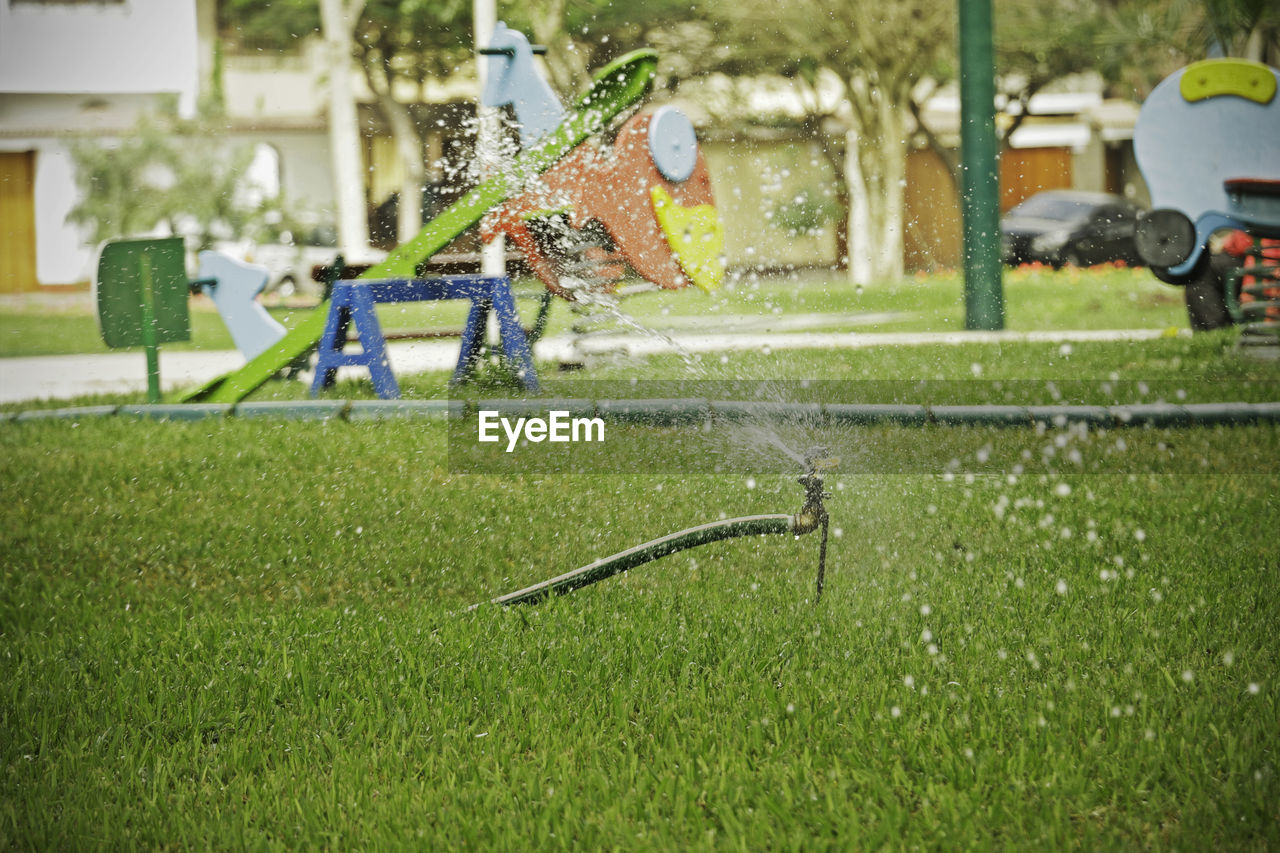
x=618, y=86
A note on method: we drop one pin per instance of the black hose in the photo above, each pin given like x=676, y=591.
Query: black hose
x=606, y=567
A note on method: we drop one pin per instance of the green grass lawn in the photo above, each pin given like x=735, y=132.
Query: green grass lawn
x=251, y=634
x=1101, y=298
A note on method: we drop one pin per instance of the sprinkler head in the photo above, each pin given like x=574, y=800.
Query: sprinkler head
x=814, y=513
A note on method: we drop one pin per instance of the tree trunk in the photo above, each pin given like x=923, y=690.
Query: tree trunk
x=842, y=227
x=414, y=171
x=338, y=19
x=887, y=215
x=409, y=144
x=565, y=63
x=859, y=227
x=877, y=170
x=834, y=150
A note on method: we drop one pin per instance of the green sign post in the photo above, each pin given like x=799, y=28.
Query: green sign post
x=142, y=292
x=983, y=287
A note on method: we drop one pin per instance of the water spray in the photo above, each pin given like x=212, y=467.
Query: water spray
x=811, y=517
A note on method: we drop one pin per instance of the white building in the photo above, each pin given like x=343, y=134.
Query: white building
x=69, y=68
x=74, y=67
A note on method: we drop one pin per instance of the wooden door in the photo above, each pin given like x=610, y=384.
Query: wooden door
x=17, y=222
x=1026, y=171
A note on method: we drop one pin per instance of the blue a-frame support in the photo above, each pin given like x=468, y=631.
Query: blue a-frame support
x=353, y=302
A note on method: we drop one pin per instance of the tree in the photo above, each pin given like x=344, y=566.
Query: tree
x=405, y=41
x=396, y=44
x=1039, y=42
x=1249, y=29
x=268, y=25
x=339, y=19
x=119, y=189
x=1149, y=40
x=879, y=57
x=168, y=171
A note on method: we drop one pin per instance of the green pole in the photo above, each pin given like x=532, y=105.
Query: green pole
x=983, y=289
x=149, y=337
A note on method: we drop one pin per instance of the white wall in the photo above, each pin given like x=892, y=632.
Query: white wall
x=275, y=86
x=131, y=46
x=305, y=180
x=39, y=115
x=61, y=254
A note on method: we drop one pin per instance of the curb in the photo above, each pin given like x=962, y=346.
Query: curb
x=677, y=411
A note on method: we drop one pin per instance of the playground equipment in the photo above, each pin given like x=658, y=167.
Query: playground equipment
x=683, y=215
x=812, y=516
x=234, y=287
x=512, y=79
x=352, y=303
x=1208, y=143
x=142, y=291
x=646, y=202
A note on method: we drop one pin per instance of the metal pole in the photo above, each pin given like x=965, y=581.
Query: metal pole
x=149, y=336
x=983, y=288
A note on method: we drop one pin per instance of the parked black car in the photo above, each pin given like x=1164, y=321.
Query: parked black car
x=1059, y=227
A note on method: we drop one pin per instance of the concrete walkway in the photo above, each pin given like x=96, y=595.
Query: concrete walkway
x=66, y=376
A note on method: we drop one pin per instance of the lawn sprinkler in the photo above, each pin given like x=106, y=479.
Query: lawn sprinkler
x=814, y=512
x=812, y=516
